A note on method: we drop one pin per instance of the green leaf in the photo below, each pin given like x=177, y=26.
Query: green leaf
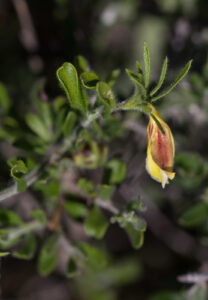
x=162, y=77
x=195, y=215
x=67, y=75
x=39, y=215
x=75, y=209
x=17, y=171
x=9, y=218
x=136, y=205
x=5, y=101
x=86, y=186
x=174, y=84
x=89, y=79
x=134, y=226
x=105, y=191
x=48, y=256
x=137, y=80
x=105, y=94
x=46, y=114
x=111, y=79
x=95, y=257
x=72, y=268
x=81, y=64
x=38, y=127
x=2, y=254
x=146, y=56
x=27, y=250
x=118, y=170
x=69, y=123
x=96, y=224
x=158, y=124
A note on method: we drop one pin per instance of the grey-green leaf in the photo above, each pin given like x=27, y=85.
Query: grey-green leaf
x=174, y=84
x=67, y=75
x=162, y=77
x=89, y=79
x=146, y=56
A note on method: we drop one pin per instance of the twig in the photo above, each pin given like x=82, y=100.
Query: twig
x=54, y=223
x=28, y=34
x=193, y=278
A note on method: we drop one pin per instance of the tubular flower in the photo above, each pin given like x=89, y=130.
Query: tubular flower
x=160, y=150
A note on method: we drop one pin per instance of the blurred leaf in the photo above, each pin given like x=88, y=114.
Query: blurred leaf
x=81, y=64
x=162, y=77
x=17, y=171
x=38, y=127
x=86, y=186
x=39, y=214
x=134, y=226
x=5, y=101
x=69, y=123
x=195, y=215
x=2, y=254
x=146, y=56
x=136, y=205
x=118, y=170
x=106, y=95
x=72, y=268
x=112, y=77
x=48, y=256
x=96, y=224
x=95, y=257
x=45, y=113
x=168, y=295
x=67, y=75
x=75, y=209
x=89, y=79
x=27, y=250
x=105, y=191
x=9, y=218
x=177, y=80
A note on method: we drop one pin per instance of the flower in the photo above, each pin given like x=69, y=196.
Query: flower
x=160, y=149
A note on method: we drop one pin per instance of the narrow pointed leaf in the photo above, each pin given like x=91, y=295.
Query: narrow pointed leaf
x=178, y=79
x=158, y=124
x=162, y=77
x=146, y=64
x=136, y=80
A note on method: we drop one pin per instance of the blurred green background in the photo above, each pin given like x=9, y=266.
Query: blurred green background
x=36, y=37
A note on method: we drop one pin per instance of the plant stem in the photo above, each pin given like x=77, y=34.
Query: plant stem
x=54, y=154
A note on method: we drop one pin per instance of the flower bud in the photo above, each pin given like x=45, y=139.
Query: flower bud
x=160, y=150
